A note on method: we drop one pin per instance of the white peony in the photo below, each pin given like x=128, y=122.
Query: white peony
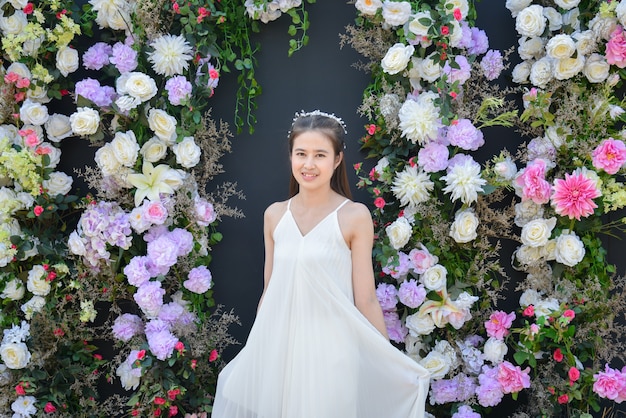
x=437, y=364
x=58, y=183
x=463, y=229
x=411, y=186
x=137, y=85
x=58, y=127
x=494, y=350
x=596, y=68
x=529, y=297
x=536, y=233
x=396, y=13
x=67, y=60
x=544, y=307
x=505, y=169
x=434, y=278
x=85, y=121
x=531, y=21
x=36, y=282
x=420, y=119
x=603, y=26
x=530, y=48
x=569, y=248
x=163, y=125
x=187, y=152
x=397, y=58
x=399, y=232
x=24, y=406
x=560, y=46
x=368, y=7
x=527, y=255
x=125, y=148
x=171, y=55
x=33, y=113
x=586, y=42
x=419, y=324
x=153, y=150
x=15, y=355
x=463, y=181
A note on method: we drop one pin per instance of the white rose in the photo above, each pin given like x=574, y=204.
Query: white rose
x=127, y=103
x=58, y=127
x=153, y=150
x=437, y=364
x=531, y=21
x=67, y=60
x=397, y=58
x=516, y=6
x=560, y=46
x=463, y=228
x=596, y=68
x=541, y=72
x=548, y=251
x=456, y=34
x=37, y=283
x=38, y=94
x=529, y=297
x=15, y=355
x=130, y=376
x=31, y=47
x=187, y=152
x=530, y=48
x=572, y=19
x=555, y=19
x=569, y=248
x=462, y=5
x=567, y=4
x=620, y=12
x=368, y=7
x=85, y=121
x=545, y=307
x=33, y=113
x=429, y=69
x=494, y=350
x=602, y=27
x=396, y=13
x=434, y=278
x=399, y=233
x=505, y=169
x=420, y=23
x=136, y=84
x=536, y=233
x=163, y=125
x=58, y=183
x=118, y=20
x=419, y=324
x=527, y=255
x=13, y=290
x=125, y=148
x=585, y=42
x=106, y=160
x=557, y=135
x=14, y=24
x=75, y=244
x=521, y=72
x=568, y=67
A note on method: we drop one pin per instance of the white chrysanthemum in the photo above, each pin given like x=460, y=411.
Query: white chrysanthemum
x=411, y=186
x=171, y=55
x=419, y=119
x=463, y=181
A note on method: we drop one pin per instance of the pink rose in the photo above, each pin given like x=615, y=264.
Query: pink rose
x=421, y=259
x=379, y=202
x=205, y=212
x=616, y=48
x=609, y=156
x=512, y=378
x=155, y=213
x=533, y=183
x=573, y=373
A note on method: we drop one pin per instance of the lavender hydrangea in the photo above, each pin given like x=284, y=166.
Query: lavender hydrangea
x=411, y=293
x=489, y=391
x=91, y=89
x=163, y=252
x=97, y=56
x=387, y=296
x=465, y=135
x=433, y=157
x=137, y=271
x=126, y=326
x=199, y=280
x=395, y=327
x=443, y=391
x=178, y=89
x=171, y=313
x=123, y=57
x=460, y=74
x=480, y=42
x=399, y=269
x=161, y=344
x=492, y=64
x=465, y=411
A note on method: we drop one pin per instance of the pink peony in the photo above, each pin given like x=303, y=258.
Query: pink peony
x=573, y=196
x=533, y=183
x=610, y=384
x=512, y=378
x=609, y=156
x=616, y=48
x=499, y=324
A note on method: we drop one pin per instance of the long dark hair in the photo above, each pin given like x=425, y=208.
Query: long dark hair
x=334, y=130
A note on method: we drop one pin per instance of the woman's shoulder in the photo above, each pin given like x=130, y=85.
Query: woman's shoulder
x=274, y=211
x=355, y=215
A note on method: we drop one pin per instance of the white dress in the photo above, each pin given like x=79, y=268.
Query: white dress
x=310, y=352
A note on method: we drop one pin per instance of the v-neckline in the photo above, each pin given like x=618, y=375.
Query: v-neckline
x=303, y=235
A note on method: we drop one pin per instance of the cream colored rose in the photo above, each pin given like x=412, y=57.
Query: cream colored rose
x=15, y=355
x=516, y=6
x=396, y=13
x=560, y=46
x=67, y=60
x=494, y=350
x=596, y=68
x=602, y=27
x=548, y=251
x=136, y=84
x=85, y=121
x=536, y=233
x=368, y=7
x=14, y=24
x=531, y=21
x=75, y=244
x=420, y=23
x=153, y=150
x=506, y=169
x=556, y=134
x=521, y=72
x=37, y=283
x=187, y=152
x=434, y=278
x=529, y=297
x=21, y=69
x=555, y=19
x=456, y=34
x=125, y=148
x=13, y=290
x=527, y=255
x=58, y=183
x=568, y=67
x=31, y=47
x=106, y=160
x=119, y=20
x=419, y=324
x=437, y=364
x=58, y=127
x=429, y=69
x=163, y=125
x=397, y=58
x=569, y=249
x=127, y=103
x=530, y=48
x=541, y=72
x=585, y=42
x=463, y=229
x=33, y=113
x=545, y=307
x=567, y=4
x=399, y=233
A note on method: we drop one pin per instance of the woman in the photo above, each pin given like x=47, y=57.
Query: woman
x=319, y=347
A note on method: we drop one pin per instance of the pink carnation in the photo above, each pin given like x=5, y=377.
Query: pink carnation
x=573, y=196
x=512, y=378
x=533, y=183
x=616, y=48
x=499, y=324
x=610, y=384
x=609, y=156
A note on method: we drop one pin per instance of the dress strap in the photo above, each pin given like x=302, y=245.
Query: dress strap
x=342, y=203
x=288, y=204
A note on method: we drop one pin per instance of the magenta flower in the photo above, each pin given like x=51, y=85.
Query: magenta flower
x=512, y=378
x=573, y=196
x=533, y=183
x=616, y=48
x=499, y=324
x=610, y=384
x=609, y=156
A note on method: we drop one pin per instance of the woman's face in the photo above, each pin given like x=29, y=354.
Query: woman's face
x=313, y=160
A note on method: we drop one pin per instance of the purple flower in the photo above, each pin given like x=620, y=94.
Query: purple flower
x=199, y=280
x=92, y=90
x=459, y=159
x=463, y=134
x=466, y=387
x=97, y=56
x=395, y=327
x=461, y=74
x=465, y=411
x=171, y=313
x=541, y=147
x=183, y=240
x=472, y=358
x=149, y=297
x=411, y=294
x=137, y=272
x=443, y=391
x=466, y=38
x=492, y=64
x=155, y=232
x=123, y=57
x=157, y=325
x=161, y=344
x=387, y=296
x=480, y=42
x=489, y=391
x=400, y=269
x=178, y=89
x=126, y=326
x=163, y=251
x=433, y=157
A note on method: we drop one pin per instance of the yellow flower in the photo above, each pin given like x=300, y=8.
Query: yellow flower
x=153, y=181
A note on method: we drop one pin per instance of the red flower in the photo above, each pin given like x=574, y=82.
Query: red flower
x=213, y=356
x=194, y=364
x=457, y=14
x=49, y=408
x=379, y=202
x=529, y=311
x=573, y=373
x=159, y=401
x=19, y=389
x=558, y=355
x=141, y=354
x=173, y=410
x=371, y=129
x=157, y=412
x=97, y=356
x=171, y=394
x=135, y=413
x=38, y=210
x=563, y=399
x=445, y=30
x=58, y=332
x=569, y=314
x=180, y=347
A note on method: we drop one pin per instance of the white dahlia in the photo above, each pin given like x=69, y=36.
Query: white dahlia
x=419, y=119
x=171, y=55
x=463, y=181
x=411, y=186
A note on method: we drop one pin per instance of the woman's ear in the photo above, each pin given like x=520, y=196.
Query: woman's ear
x=338, y=159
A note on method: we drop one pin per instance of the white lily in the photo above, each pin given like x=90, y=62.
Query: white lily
x=154, y=181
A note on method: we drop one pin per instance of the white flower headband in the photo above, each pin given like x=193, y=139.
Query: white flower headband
x=303, y=114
